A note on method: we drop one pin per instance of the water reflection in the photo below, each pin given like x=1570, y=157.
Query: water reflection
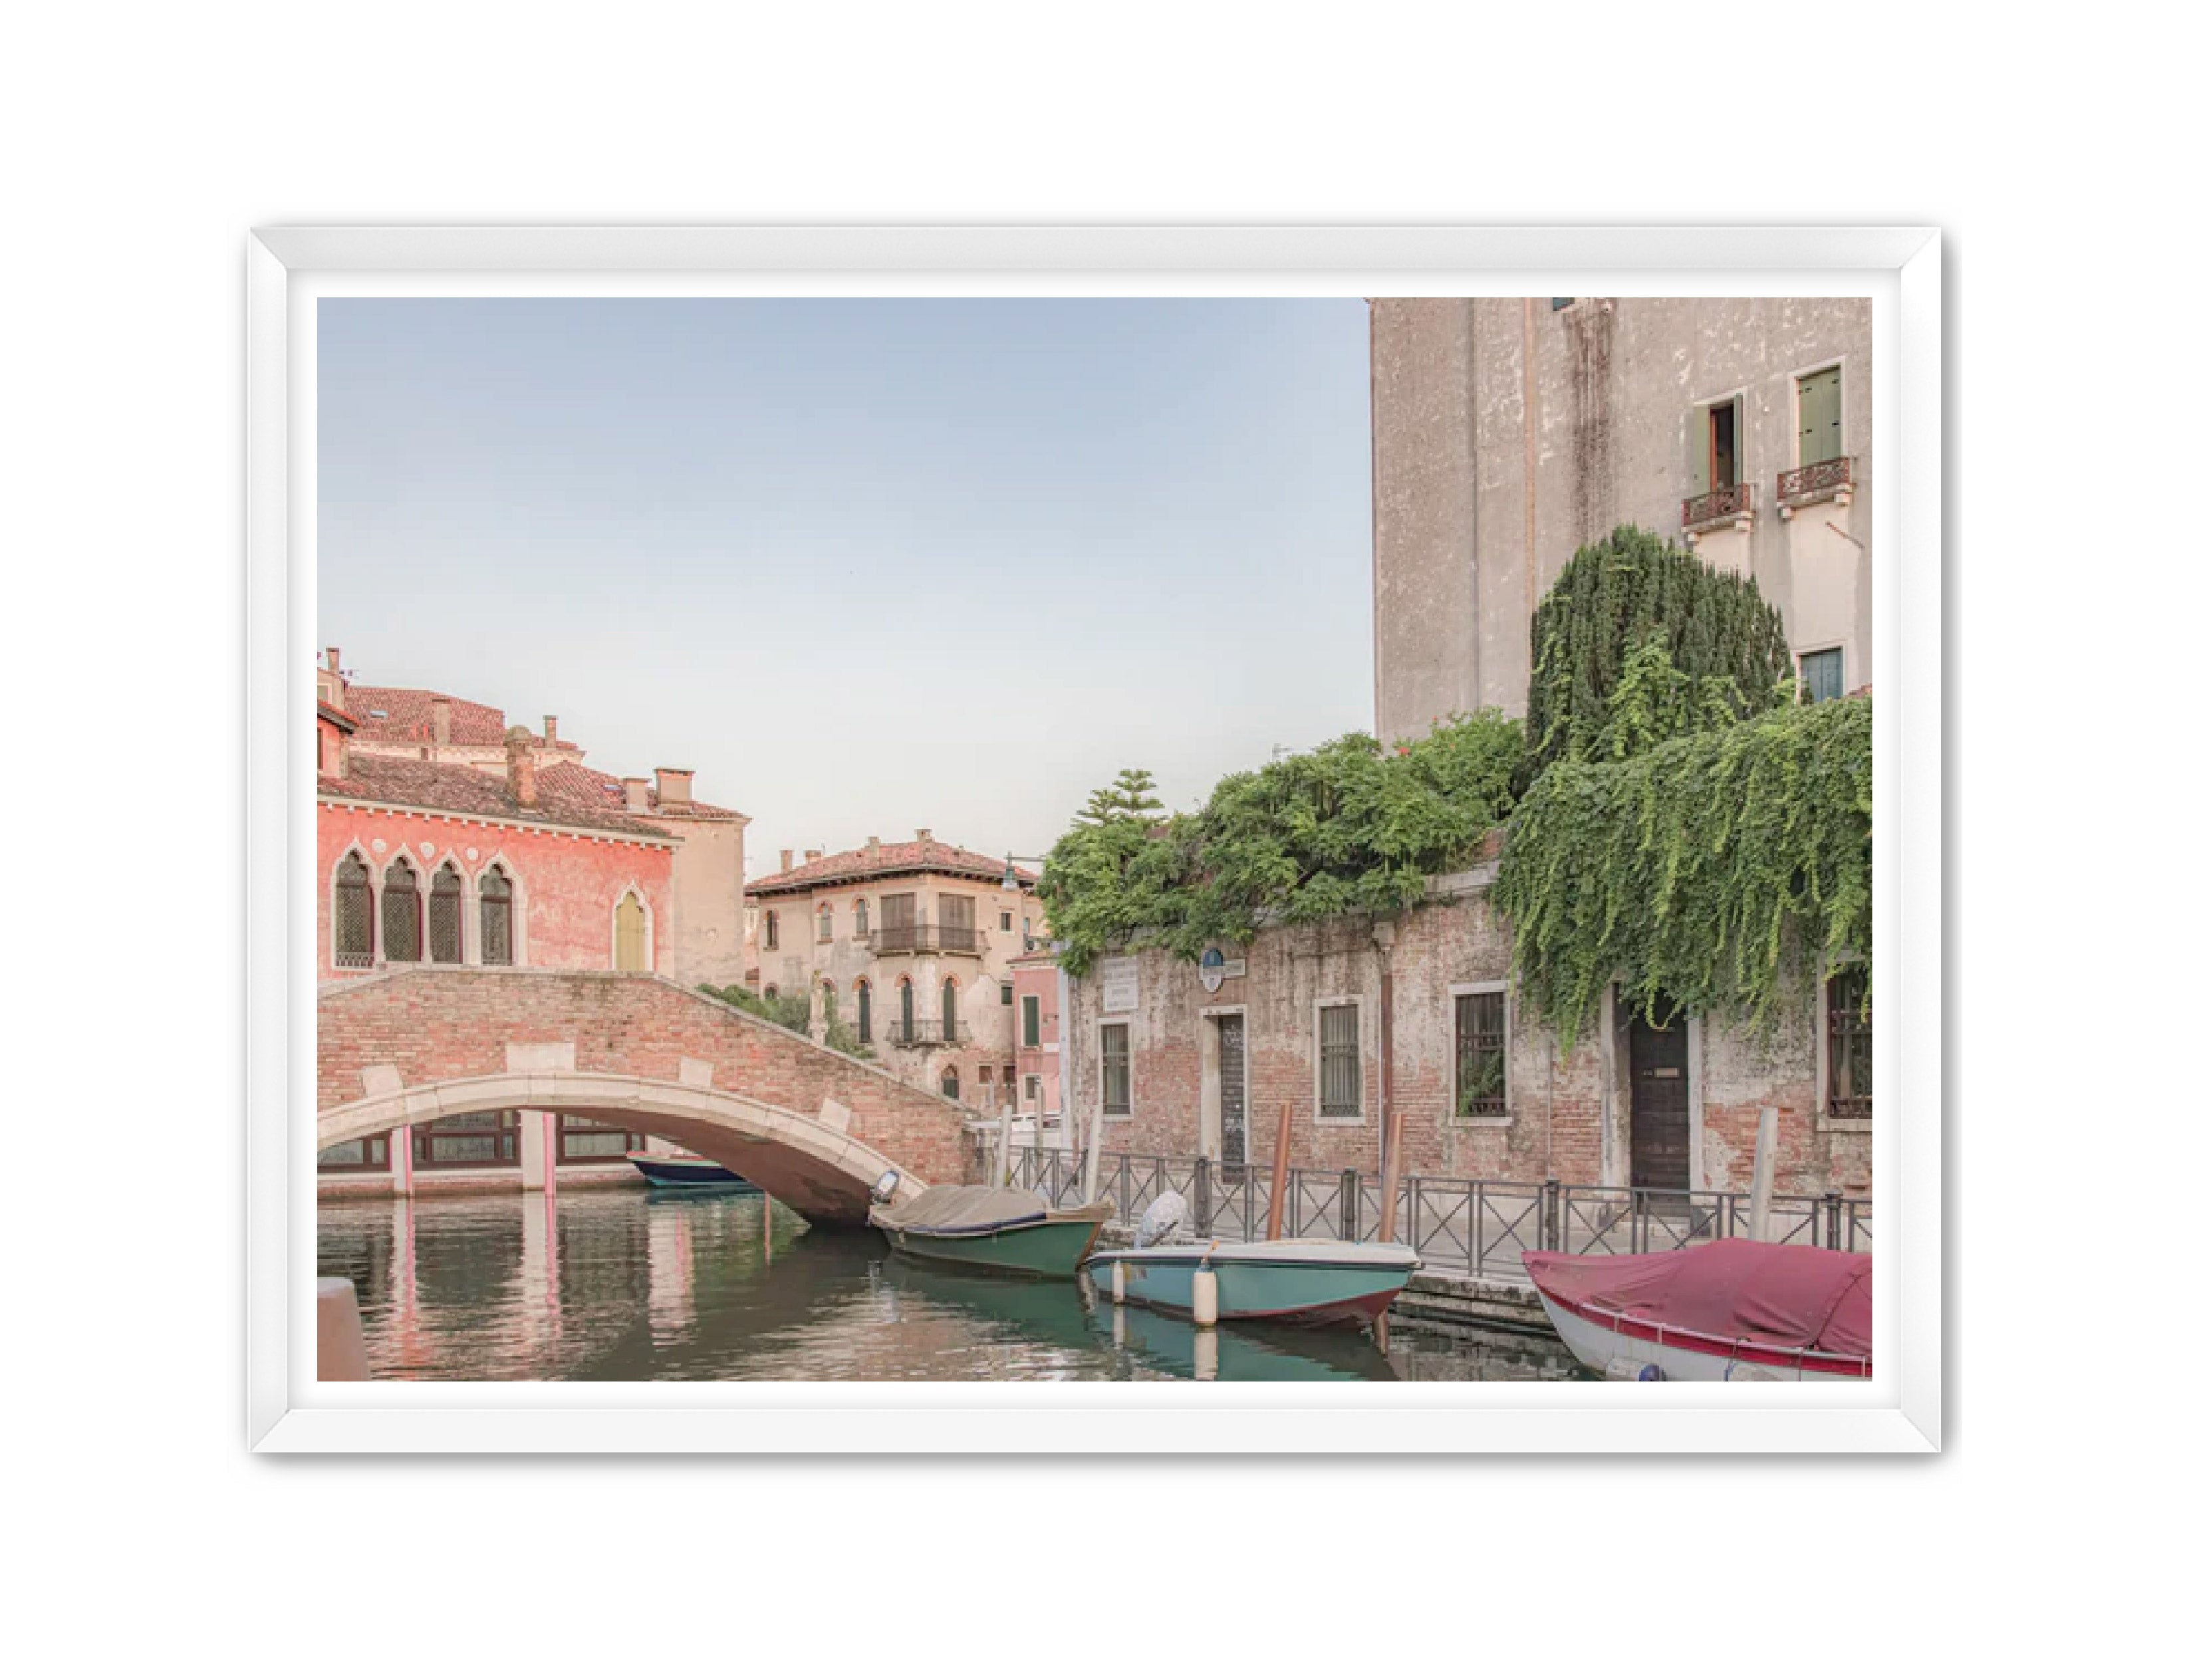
x=632, y=1285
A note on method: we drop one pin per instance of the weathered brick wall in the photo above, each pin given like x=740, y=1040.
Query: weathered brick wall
x=1567, y=1110
x=438, y=1024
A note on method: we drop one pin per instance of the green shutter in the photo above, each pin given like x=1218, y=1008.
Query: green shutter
x=1820, y=405
x=1740, y=438
x=1699, y=449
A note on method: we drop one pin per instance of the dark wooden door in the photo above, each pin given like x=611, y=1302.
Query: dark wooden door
x=1231, y=1092
x=1659, y=1058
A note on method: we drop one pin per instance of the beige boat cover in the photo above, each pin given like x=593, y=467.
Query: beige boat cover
x=965, y=1208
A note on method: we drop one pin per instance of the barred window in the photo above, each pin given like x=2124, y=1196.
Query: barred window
x=489, y=1139
x=583, y=1140
x=399, y=913
x=497, y=920
x=1340, y=1087
x=1847, y=1011
x=1479, y=1053
x=1117, y=1068
x=353, y=914
x=444, y=915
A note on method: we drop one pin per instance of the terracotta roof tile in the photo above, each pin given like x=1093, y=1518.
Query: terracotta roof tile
x=596, y=790
x=462, y=791
x=407, y=714
x=903, y=857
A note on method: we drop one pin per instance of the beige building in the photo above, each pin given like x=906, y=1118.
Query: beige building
x=1509, y=432
x=910, y=944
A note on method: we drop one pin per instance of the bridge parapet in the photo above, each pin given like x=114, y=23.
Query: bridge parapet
x=401, y=1047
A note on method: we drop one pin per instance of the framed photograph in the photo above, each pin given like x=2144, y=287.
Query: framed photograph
x=1039, y=840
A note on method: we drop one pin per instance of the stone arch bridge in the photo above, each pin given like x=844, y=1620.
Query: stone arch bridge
x=812, y=1126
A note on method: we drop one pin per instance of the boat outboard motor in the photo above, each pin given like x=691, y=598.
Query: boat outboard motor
x=885, y=1187
x=1165, y=1214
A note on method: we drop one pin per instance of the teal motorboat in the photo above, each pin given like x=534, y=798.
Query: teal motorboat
x=1013, y=1230
x=1303, y=1280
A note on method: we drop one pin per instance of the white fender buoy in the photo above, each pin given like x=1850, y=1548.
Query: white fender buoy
x=1204, y=1295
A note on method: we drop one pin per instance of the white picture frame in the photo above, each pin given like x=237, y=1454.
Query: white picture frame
x=1901, y=1410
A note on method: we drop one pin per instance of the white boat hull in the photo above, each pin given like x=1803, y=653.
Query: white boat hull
x=1609, y=1352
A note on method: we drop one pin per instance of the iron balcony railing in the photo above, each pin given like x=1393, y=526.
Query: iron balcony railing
x=916, y=938
x=1726, y=502
x=928, y=1032
x=1477, y=1226
x=1816, y=481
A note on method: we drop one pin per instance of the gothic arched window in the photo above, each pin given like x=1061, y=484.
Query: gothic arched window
x=445, y=916
x=497, y=918
x=353, y=913
x=399, y=913
x=630, y=934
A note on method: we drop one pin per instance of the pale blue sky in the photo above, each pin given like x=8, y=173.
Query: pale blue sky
x=866, y=566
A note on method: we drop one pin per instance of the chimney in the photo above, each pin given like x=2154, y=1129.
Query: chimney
x=813, y=854
x=634, y=792
x=672, y=790
x=923, y=833
x=441, y=714
x=337, y=689
x=787, y=854
x=523, y=772
x=551, y=728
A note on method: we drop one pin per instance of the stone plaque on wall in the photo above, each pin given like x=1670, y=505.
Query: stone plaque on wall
x=1121, y=985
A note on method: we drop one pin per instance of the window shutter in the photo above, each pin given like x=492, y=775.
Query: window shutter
x=1820, y=417
x=1740, y=438
x=1699, y=449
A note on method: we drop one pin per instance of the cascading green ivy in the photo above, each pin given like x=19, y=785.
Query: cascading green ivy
x=1721, y=650
x=1683, y=828
x=1698, y=875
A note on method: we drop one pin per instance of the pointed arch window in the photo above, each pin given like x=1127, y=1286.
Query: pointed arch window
x=444, y=915
x=824, y=924
x=497, y=918
x=630, y=934
x=904, y=1010
x=859, y=917
x=353, y=913
x=950, y=1082
x=400, y=916
x=866, y=1013
x=949, y=1011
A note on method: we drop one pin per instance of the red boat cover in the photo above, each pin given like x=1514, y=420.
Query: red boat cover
x=1759, y=1292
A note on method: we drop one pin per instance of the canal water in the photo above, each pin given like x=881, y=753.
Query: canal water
x=635, y=1285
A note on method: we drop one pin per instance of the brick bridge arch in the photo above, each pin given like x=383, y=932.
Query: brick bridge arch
x=812, y=1127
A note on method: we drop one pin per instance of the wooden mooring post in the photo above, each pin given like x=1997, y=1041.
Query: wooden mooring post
x=1279, y=1171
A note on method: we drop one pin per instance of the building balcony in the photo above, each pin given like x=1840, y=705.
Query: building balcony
x=925, y=938
x=908, y=1036
x=1820, y=481
x=1729, y=505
